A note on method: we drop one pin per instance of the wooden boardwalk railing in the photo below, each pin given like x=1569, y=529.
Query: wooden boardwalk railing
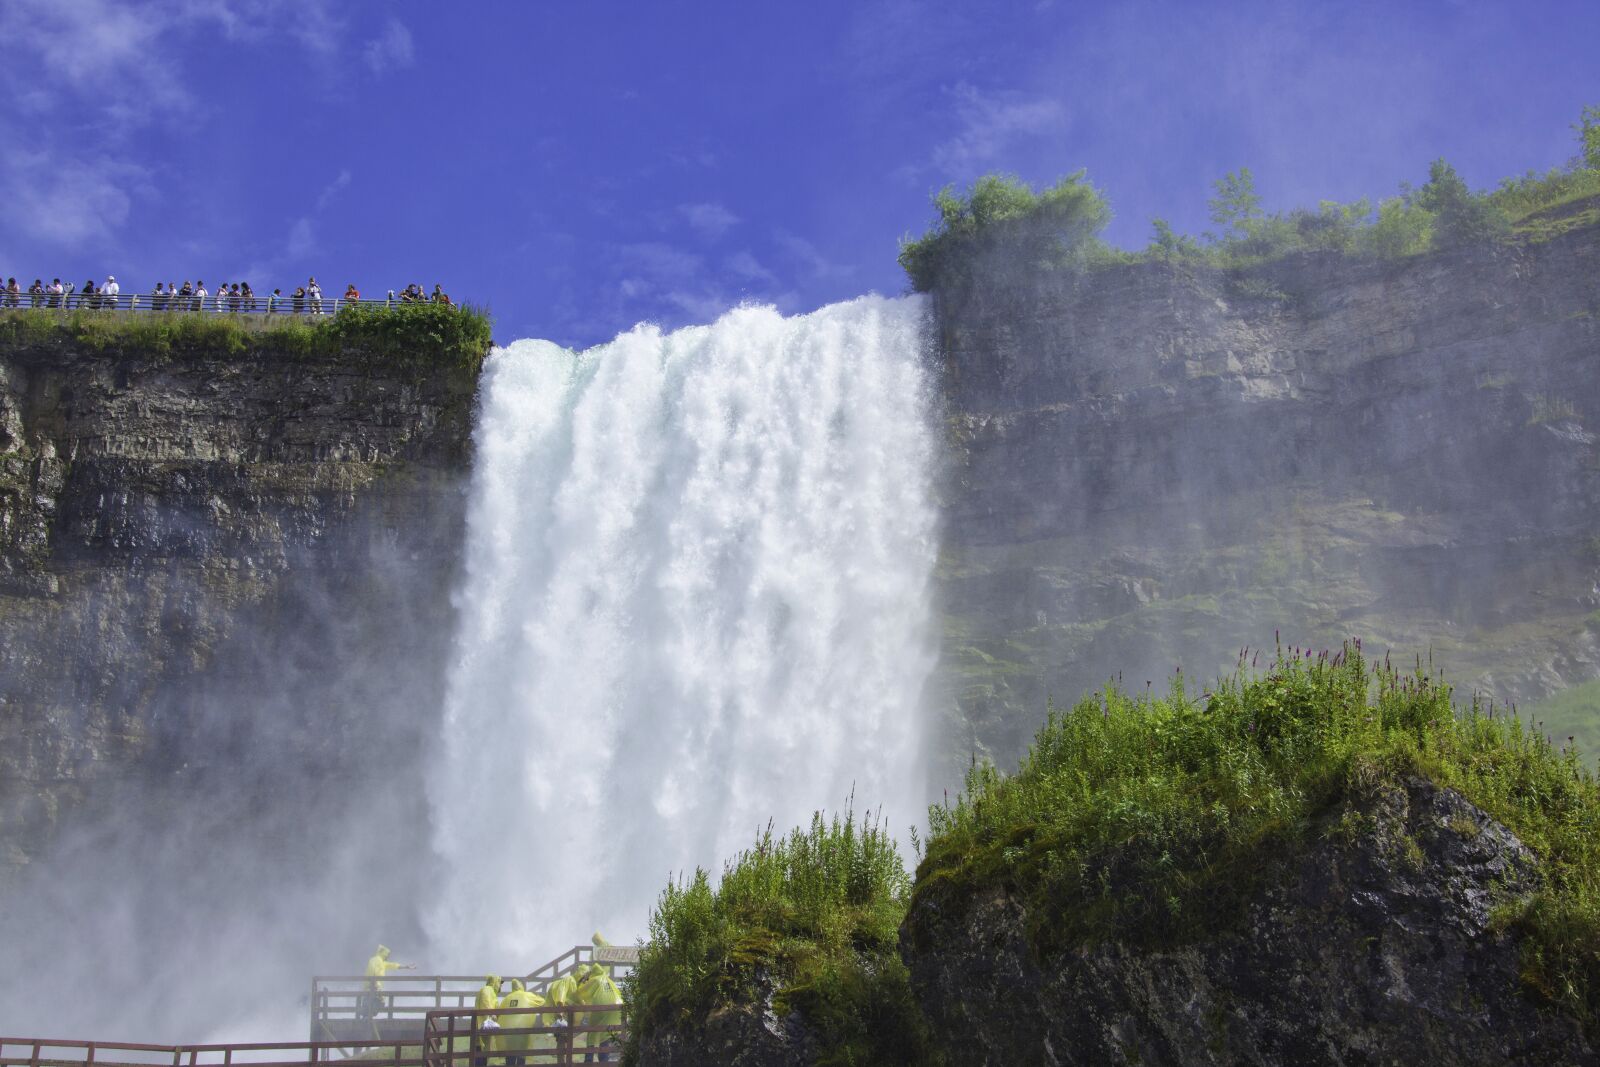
x=414, y=1021
x=552, y=1034
x=342, y=1006
x=58, y=1052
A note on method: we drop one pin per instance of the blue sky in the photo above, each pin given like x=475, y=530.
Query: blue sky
x=580, y=167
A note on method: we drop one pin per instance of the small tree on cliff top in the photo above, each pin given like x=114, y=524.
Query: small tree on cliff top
x=1001, y=222
x=1588, y=127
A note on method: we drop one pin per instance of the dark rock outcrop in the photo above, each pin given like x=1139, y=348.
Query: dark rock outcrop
x=1373, y=947
x=747, y=1033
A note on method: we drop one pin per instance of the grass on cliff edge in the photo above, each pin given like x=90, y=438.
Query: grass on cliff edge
x=1151, y=820
x=413, y=335
x=817, y=914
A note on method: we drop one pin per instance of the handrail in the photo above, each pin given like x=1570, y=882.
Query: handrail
x=222, y=1055
x=343, y=1002
x=173, y=304
x=550, y=1040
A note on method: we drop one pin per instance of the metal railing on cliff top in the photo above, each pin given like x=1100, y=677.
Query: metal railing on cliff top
x=210, y=304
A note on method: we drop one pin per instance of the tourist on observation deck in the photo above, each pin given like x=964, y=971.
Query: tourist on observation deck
x=274, y=301
x=439, y=296
x=89, y=297
x=299, y=298
x=247, y=296
x=56, y=292
x=13, y=293
x=36, y=293
x=314, y=296
x=234, y=297
x=351, y=293
x=110, y=291
x=158, y=299
x=222, y=295
x=200, y=294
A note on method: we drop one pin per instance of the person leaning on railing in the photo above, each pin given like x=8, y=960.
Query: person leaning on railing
x=13, y=293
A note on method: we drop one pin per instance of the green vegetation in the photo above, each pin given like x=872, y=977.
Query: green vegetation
x=412, y=335
x=818, y=912
x=1151, y=821
x=1572, y=715
x=1000, y=223
x=1054, y=228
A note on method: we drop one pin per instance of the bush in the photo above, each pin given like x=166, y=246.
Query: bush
x=1001, y=222
x=819, y=912
x=1460, y=216
x=1153, y=821
x=1401, y=229
x=1588, y=127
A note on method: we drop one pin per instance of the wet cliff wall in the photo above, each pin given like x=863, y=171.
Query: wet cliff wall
x=222, y=576
x=1155, y=464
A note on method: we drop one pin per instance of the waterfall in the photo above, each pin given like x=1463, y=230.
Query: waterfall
x=695, y=599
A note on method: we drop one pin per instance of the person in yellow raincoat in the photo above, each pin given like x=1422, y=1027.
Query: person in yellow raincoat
x=379, y=966
x=487, y=1000
x=597, y=988
x=520, y=999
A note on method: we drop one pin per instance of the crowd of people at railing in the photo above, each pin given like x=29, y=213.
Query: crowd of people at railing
x=234, y=297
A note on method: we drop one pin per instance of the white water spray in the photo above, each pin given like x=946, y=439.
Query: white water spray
x=696, y=599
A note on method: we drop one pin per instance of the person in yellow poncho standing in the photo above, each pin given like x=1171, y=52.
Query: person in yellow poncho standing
x=378, y=967
x=518, y=998
x=597, y=988
x=488, y=999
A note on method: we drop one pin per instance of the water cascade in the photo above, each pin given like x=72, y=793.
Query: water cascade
x=695, y=599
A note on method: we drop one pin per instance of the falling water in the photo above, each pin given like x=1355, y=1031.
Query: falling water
x=696, y=599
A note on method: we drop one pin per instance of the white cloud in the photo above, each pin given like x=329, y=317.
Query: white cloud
x=990, y=122
x=302, y=239
x=746, y=267
x=710, y=221
x=107, y=52
x=390, y=50
x=85, y=78
x=69, y=203
x=333, y=189
x=810, y=259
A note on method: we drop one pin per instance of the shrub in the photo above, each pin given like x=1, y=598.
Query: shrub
x=1401, y=229
x=1588, y=127
x=1460, y=216
x=1001, y=222
x=819, y=912
x=1153, y=821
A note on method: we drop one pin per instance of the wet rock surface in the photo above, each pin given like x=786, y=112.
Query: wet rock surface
x=216, y=569
x=1153, y=465
x=749, y=1033
x=1372, y=948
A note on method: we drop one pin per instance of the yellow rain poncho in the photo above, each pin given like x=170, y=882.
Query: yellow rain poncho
x=598, y=989
x=378, y=966
x=518, y=999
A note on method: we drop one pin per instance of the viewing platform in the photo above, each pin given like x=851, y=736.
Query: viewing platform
x=152, y=303
x=414, y=1021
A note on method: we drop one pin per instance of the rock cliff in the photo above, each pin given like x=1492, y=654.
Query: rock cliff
x=215, y=567
x=1156, y=464
x=1376, y=948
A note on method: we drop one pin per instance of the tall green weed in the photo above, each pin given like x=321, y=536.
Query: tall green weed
x=818, y=912
x=1153, y=820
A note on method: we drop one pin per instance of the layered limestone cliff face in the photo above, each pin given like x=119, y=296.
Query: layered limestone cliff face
x=1155, y=465
x=218, y=570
